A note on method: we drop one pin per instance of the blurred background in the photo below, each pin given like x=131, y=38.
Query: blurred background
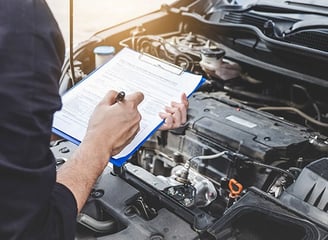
x=91, y=16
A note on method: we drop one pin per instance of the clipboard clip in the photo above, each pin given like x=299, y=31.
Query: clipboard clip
x=157, y=62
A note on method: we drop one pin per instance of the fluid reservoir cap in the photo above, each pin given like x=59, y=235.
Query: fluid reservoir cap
x=213, y=52
x=103, y=54
x=104, y=50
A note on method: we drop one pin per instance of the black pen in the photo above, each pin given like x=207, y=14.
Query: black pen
x=120, y=96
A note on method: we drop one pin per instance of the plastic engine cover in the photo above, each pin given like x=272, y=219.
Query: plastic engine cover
x=257, y=134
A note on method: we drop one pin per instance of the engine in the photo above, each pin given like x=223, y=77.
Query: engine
x=228, y=141
x=250, y=163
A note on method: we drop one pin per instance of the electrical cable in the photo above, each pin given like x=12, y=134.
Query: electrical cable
x=295, y=110
x=206, y=157
x=315, y=106
x=271, y=168
x=246, y=160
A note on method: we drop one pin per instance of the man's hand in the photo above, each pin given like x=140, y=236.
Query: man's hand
x=175, y=115
x=111, y=127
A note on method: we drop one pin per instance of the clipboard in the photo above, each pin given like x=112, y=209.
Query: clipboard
x=129, y=71
x=169, y=67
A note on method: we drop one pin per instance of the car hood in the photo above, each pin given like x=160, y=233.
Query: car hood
x=251, y=161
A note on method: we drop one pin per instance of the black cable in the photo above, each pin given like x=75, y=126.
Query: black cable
x=295, y=110
x=277, y=169
x=307, y=94
x=246, y=160
x=71, y=60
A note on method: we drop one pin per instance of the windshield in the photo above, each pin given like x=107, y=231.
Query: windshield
x=95, y=15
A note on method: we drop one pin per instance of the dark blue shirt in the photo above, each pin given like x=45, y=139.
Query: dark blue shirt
x=32, y=204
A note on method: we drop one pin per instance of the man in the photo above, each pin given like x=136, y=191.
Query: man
x=35, y=201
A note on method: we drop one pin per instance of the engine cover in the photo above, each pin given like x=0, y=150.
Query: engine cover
x=257, y=134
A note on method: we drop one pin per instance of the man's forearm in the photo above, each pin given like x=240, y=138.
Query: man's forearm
x=111, y=127
x=80, y=173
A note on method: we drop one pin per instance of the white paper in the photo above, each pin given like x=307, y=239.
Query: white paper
x=128, y=71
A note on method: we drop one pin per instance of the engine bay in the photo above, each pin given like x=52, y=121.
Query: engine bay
x=252, y=160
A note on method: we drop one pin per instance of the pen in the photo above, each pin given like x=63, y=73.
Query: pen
x=120, y=96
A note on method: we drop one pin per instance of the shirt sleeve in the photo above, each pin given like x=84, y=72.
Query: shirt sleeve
x=32, y=204
x=65, y=211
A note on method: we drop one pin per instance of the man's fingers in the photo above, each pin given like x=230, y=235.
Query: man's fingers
x=180, y=110
x=184, y=100
x=136, y=97
x=183, y=113
x=177, y=121
x=168, y=123
x=110, y=97
x=128, y=139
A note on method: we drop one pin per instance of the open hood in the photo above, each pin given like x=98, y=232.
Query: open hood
x=252, y=160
